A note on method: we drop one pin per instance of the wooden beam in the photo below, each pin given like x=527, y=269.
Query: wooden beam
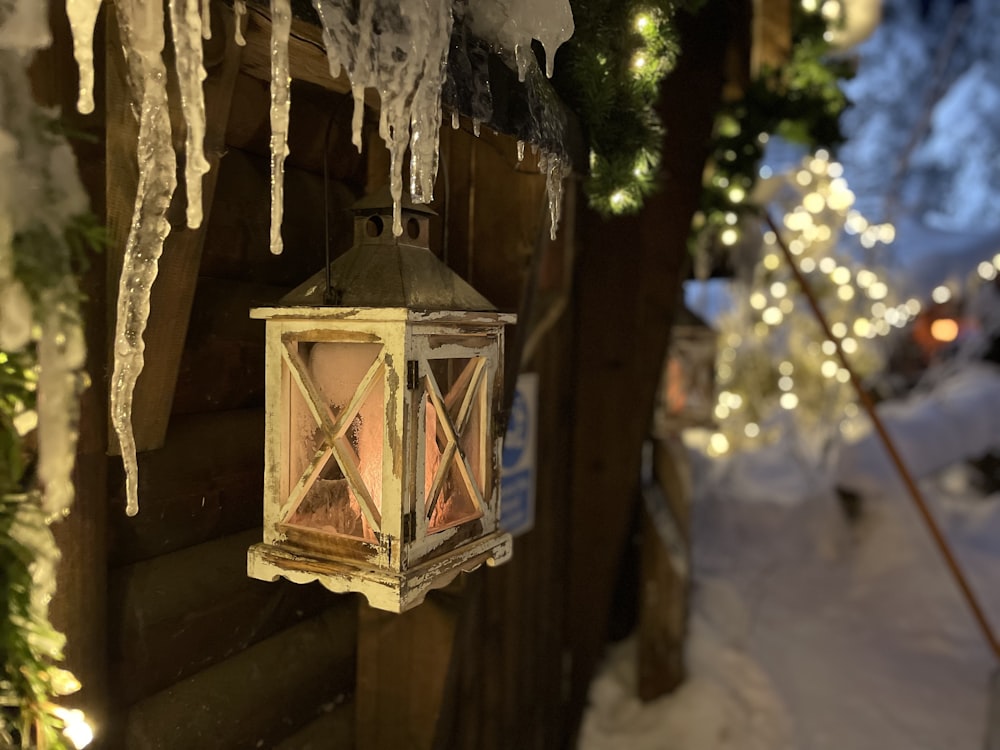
x=258, y=697
x=307, y=60
x=205, y=482
x=174, y=288
x=665, y=563
x=180, y=613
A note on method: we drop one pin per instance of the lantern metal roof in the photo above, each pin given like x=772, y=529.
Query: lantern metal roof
x=385, y=271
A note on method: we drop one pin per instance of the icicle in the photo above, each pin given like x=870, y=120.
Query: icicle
x=61, y=353
x=554, y=169
x=520, y=151
x=240, y=9
x=476, y=127
x=281, y=26
x=206, y=20
x=82, y=17
x=141, y=24
x=185, y=22
x=454, y=121
x=405, y=62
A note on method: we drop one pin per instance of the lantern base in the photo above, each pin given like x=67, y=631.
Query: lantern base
x=384, y=589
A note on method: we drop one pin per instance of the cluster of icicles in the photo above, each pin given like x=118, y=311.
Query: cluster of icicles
x=397, y=47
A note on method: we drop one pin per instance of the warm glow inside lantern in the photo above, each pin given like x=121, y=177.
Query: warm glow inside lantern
x=381, y=468
x=686, y=397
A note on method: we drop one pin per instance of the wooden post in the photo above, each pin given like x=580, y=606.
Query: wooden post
x=629, y=277
x=664, y=577
x=403, y=663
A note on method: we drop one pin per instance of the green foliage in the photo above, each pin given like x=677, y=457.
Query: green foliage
x=29, y=645
x=801, y=101
x=610, y=72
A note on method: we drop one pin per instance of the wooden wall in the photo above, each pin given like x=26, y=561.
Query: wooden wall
x=201, y=655
x=198, y=655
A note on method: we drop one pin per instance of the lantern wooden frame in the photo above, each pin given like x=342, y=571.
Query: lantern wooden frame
x=438, y=376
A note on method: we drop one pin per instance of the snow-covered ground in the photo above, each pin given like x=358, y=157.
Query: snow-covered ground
x=809, y=633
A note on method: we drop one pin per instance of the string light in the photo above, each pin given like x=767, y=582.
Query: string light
x=75, y=726
x=941, y=294
x=944, y=330
x=878, y=290
x=772, y=316
x=788, y=401
x=641, y=22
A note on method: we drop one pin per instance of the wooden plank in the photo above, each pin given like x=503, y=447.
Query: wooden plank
x=237, y=240
x=254, y=699
x=175, y=283
x=222, y=366
x=320, y=127
x=333, y=729
x=403, y=662
x=206, y=481
x=186, y=611
x=306, y=55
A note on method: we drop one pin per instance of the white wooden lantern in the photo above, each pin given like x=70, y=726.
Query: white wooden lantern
x=382, y=437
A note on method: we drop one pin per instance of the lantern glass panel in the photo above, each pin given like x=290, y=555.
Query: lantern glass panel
x=335, y=437
x=454, y=455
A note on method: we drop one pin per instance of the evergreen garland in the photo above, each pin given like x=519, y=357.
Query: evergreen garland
x=45, y=234
x=800, y=101
x=609, y=72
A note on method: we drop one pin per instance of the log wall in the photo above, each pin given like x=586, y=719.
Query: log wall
x=199, y=655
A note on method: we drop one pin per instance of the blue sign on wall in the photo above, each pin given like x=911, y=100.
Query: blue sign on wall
x=517, y=482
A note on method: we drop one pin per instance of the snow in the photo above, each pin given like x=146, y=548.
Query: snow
x=811, y=634
x=512, y=24
x=931, y=430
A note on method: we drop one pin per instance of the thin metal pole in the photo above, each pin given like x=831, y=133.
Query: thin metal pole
x=328, y=292
x=915, y=494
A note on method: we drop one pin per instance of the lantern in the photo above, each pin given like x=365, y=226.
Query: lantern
x=383, y=382
x=686, y=397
